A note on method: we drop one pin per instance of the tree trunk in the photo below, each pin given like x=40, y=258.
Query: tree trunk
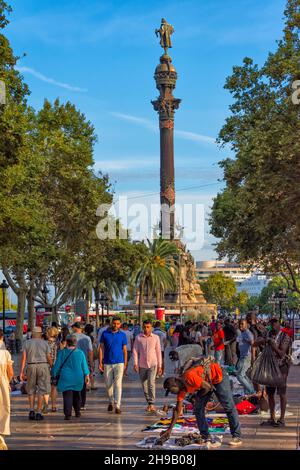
x=30, y=303
x=54, y=313
x=20, y=314
x=87, y=305
x=97, y=293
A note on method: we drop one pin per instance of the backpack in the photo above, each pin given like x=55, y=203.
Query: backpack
x=204, y=362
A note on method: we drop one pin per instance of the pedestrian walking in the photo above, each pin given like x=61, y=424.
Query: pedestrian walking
x=37, y=357
x=100, y=331
x=163, y=343
x=230, y=343
x=175, y=336
x=6, y=374
x=71, y=371
x=259, y=332
x=148, y=362
x=89, y=330
x=136, y=329
x=113, y=362
x=281, y=345
x=245, y=341
x=84, y=343
x=213, y=325
x=51, y=335
x=204, y=384
x=62, y=337
x=129, y=337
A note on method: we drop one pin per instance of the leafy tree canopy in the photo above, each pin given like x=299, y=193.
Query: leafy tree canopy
x=219, y=290
x=257, y=216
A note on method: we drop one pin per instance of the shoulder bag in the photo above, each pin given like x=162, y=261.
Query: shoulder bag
x=55, y=380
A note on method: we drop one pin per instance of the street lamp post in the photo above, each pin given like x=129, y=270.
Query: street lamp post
x=107, y=306
x=3, y=286
x=282, y=297
x=273, y=302
x=45, y=292
x=279, y=299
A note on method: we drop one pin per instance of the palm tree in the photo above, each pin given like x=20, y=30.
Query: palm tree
x=156, y=271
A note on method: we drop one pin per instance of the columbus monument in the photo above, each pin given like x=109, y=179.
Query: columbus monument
x=166, y=105
x=189, y=295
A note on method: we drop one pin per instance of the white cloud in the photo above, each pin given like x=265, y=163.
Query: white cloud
x=195, y=137
x=192, y=136
x=125, y=164
x=135, y=120
x=43, y=78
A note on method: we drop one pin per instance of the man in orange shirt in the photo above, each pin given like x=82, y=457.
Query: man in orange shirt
x=196, y=380
x=218, y=339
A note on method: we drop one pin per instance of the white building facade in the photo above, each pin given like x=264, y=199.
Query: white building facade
x=254, y=284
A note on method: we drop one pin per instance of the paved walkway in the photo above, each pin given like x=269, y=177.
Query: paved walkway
x=97, y=429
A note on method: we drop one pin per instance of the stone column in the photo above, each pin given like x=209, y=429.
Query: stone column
x=165, y=77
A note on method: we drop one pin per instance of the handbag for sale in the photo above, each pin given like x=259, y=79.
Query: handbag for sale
x=245, y=407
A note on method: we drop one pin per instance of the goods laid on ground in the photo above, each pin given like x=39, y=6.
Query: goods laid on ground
x=188, y=442
x=188, y=424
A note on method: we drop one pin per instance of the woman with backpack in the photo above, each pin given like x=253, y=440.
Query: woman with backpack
x=70, y=371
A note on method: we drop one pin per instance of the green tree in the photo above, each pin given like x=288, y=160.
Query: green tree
x=21, y=209
x=275, y=285
x=26, y=231
x=156, y=271
x=50, y=199
x=252, y=303
x=108, y=266
x=12, y=112
x=241, y=301
x=252, y=216
x=219, y=290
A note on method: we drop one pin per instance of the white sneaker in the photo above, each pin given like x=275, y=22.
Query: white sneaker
x=3, y=445
x=235, y=442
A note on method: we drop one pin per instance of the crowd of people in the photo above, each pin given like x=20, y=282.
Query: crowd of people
x=65, y=360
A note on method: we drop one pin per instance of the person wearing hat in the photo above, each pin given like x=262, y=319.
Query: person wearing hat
x=196, y=381
x=37, y=356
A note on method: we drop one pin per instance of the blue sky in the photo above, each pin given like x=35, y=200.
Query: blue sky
x=101, y=55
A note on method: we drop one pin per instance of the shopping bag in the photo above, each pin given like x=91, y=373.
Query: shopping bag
x=265, y=369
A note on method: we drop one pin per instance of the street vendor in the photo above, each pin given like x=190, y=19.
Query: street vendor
x=204, y=380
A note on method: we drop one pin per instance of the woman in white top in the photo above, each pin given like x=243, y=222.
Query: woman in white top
x=6, y=374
